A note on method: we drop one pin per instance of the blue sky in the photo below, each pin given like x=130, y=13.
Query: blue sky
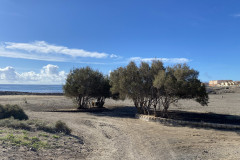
x=40, y=41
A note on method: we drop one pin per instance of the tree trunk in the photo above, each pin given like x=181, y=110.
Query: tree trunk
x=155, y=111
x=100, y=102
x=140, y=110
x=165, y=109
x=79, y=99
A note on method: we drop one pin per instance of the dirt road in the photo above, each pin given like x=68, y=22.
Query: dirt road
x=117, y=134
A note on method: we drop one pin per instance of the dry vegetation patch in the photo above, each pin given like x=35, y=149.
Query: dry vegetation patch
x=22, y=139
x=22, y=144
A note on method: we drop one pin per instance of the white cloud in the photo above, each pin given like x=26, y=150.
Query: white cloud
x=165, y=60
x=50, y=70
x=43, y=47
x=8, y=74
x=41, y=50
x=17, y=54
x=48, y=75
x=29, y=77
x=113, y=56
x=109, y=72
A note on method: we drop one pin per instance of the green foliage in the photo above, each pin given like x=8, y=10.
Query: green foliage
x=43, y=135
x=136, y=83
x=14, y=111
x=180, y=81
x=156, y=86
x=85, y=84
x=2, y=131
x=116, y=85
x=34, y=143
x=56, y=136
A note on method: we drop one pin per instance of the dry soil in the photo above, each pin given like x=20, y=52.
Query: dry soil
x=116, y=134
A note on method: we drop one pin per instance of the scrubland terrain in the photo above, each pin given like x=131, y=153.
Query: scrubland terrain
x=116, y=134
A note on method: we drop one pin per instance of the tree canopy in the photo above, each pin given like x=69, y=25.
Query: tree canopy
x=85, y=84
x=156, y=86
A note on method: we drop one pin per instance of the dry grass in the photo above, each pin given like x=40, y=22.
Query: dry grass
x=227, y=103
x=38, y=103
x=22, y=144
x=223, y=104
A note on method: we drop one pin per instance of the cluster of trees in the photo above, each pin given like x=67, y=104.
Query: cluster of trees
x=154, y=86
x=149, y=86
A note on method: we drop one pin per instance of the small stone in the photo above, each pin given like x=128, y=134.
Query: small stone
x=205, y=151
x=33, y=149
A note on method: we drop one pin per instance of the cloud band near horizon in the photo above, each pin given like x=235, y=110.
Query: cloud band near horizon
x=41, y=50
x=165, y=60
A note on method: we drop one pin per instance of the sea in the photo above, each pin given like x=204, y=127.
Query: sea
x=32, y=88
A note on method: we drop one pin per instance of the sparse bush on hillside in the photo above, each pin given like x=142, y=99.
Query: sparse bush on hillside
x=62, y=127
x=14, y=111
x=156, y=86
x=14, y=123
x=45, y=127
x=86, y=85
x=58, y=127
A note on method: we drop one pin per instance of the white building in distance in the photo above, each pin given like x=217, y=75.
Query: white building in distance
x=223, y=83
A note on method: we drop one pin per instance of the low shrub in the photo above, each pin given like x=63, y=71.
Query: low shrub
x=14, y=111
x=59, y=127
x=62, y=127
x=45, y=127
x=16, y=124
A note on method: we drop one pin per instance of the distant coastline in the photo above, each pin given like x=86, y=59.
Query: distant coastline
x=16, y=89
x=27, y=93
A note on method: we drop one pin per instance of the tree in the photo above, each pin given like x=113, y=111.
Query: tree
x=156, y=67
x=179, y=82
x=136, y=83
x=125, y=82
x=147, y=91
x=85, y=84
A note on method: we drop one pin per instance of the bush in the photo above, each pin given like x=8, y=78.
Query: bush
x=62, y=127
x=16, y=124
x=44, y=127
x=14, y=111
x=59, y=127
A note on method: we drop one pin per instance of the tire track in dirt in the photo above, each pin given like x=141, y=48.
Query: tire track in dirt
x=112, y=137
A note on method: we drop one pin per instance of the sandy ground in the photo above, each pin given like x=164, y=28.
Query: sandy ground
x=228, y=103
x=117, y=134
